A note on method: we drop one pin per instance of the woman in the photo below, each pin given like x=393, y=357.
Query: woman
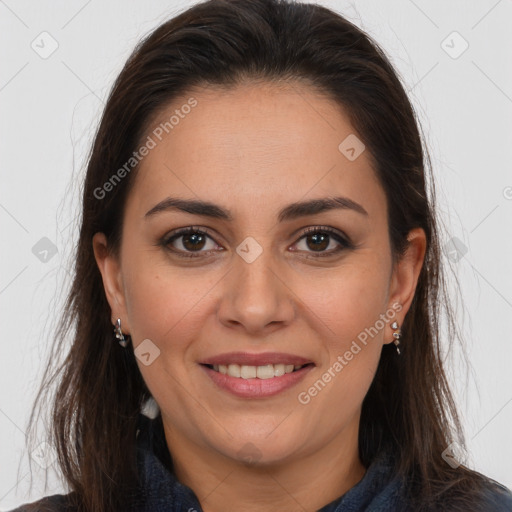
x=259, y=259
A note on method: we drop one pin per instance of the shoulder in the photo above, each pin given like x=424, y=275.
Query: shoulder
x=489, y=496
x=497, y=497
x=55, y=503
x=471, y=491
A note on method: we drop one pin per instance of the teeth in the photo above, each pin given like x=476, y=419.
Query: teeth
x=248, y=372
x=267, y=371
x=279, y=370
x=264, y=372
x=234, y=370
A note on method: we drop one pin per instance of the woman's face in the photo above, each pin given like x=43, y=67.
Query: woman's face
x=258, y=288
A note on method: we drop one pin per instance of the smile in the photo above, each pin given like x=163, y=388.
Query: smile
x=267, y=371
x=256, y=375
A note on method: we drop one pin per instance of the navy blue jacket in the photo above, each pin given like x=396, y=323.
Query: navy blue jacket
x=378, y=491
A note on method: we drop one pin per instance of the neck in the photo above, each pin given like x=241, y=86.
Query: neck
x=308, y=482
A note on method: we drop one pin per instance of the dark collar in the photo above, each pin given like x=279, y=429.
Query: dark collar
x=162, y=492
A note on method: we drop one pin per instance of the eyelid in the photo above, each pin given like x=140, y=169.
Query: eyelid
x=325, y=229
x=189, y=229
x=340, y=237
x=167, y=238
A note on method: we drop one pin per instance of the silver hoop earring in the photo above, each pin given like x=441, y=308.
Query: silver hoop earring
x=119, y=334
x=396, y=335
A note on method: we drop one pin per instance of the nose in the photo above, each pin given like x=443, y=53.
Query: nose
x=256, y=298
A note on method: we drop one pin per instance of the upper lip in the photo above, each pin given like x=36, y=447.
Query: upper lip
x=246, y=358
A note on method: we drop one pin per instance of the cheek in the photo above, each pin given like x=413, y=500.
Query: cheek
x=169, y=308
x=348, y=300
x=348, y=309
x=164, y=303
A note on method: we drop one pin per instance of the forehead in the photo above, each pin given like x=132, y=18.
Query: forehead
x=254, y=143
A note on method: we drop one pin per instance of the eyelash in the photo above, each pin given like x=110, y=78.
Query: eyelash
x=342, y=240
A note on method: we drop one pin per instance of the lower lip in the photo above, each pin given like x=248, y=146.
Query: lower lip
x=256, y=388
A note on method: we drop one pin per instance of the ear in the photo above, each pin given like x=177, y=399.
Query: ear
x=110, y=269
x=406, y=272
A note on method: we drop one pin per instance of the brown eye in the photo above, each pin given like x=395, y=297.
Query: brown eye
x=322, y=240
x=318, y=241
x=187, y=241
x=193, y=242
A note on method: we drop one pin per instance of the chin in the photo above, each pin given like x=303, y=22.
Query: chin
x=260, y=451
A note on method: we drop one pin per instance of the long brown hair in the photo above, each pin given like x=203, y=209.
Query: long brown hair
x=224, y=43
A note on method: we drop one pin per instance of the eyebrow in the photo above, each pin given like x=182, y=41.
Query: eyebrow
x=290, y=212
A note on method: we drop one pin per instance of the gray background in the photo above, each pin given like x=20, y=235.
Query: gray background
x=50, y=109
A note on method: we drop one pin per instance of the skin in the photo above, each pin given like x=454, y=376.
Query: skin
x=253, y=150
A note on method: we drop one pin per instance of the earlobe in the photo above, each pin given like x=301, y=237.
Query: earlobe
x=110, y=270
x=407, y=271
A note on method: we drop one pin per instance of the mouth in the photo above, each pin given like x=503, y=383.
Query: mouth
x=247, y=375
x=267, y=371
